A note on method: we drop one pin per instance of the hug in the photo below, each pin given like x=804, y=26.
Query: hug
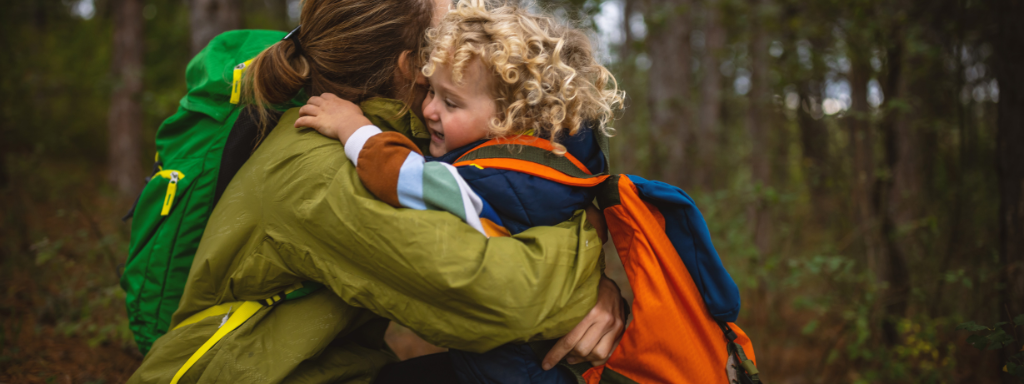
x=423, y=163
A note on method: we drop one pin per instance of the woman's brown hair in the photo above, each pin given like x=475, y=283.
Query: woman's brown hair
x=348, y=47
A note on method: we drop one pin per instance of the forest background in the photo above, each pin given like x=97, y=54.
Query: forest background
x=859, y=162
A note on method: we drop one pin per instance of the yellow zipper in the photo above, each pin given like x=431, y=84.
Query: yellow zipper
x=236, y=82
x=172, y=188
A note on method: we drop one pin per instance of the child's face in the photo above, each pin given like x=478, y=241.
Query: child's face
x=457, y=114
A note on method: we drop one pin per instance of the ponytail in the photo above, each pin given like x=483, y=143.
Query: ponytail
x=349, y=48
x=273, y=78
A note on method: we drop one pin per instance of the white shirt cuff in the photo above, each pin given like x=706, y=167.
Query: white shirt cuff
x=358, y=140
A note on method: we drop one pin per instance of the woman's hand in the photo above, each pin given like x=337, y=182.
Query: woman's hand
x=332, y=116
x=597, y=335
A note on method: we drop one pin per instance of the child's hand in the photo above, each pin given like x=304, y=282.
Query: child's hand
x=332, y=116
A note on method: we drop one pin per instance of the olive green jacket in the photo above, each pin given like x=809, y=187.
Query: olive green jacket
x=297, y=212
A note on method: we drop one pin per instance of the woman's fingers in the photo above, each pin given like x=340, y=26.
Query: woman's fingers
x=593, y=335
x=316, y=100
x=597, y=344
x=604, y=349
x=603, y=321
x=566, y=344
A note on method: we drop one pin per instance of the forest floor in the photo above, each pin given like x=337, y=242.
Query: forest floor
x=62, y=315
x=35, y=350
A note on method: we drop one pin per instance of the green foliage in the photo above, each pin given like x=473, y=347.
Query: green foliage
x=997, y=337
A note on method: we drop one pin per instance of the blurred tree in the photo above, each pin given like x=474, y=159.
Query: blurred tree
x=1008, y=39
x=899, y=159
x=125, y=119
x=627, y=79
x=759, y=126
x=710, y=96
x=668, y=46
x=210, y=18
x=814, y=140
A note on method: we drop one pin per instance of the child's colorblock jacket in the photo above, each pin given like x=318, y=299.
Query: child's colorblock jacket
x=494, y=201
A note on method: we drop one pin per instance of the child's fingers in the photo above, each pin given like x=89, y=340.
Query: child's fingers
x=309, y=110
x=329, y=97
x=315, y=100
x=307, y=122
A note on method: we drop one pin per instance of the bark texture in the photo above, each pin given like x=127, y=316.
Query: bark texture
x=1010, y=146
x=896, y=200
x=758, y=126
x=626, y=128
x=125, y=117
x=210, y=18
x=710, y=96
x=758, y=121
x=814, y=142
x=669, y=50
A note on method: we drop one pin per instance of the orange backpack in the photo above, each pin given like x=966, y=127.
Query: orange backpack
x=684, y=301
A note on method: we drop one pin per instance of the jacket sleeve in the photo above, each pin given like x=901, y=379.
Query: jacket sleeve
x=393, y=169
x=426, y=270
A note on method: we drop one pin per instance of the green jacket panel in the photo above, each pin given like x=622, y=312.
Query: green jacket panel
x=297, y=211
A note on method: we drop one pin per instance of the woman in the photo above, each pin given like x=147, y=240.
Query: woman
x=296, y=213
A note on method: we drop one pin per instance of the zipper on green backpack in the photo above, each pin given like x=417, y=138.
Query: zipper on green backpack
x=236, y=82
x=172, y=188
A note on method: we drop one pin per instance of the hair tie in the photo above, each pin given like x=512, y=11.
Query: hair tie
x=294, y=37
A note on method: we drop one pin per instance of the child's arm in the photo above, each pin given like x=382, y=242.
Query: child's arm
x=392, y=168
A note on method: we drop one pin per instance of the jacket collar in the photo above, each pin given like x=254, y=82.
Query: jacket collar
x=392, y=115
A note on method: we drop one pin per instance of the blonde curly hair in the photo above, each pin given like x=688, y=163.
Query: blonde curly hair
x=545, y=78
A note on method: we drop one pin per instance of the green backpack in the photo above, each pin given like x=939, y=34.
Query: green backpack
x=173, y=208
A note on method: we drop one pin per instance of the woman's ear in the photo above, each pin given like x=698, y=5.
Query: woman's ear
x=404, y=71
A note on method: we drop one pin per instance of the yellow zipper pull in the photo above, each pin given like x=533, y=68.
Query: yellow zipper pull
x=172, y=188
x=236, y=82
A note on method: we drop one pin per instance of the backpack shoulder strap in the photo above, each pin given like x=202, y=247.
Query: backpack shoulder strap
x=533, y=156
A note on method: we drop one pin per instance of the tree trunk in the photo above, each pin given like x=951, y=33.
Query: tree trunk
x=862, y=152
x=668, y=46
x=813, y=140
x=626, y=128
x=710, y=97
x=758, y=125
x=125, y=118
x=1010, y=145
x=896, y=205
x=758, y=120
x=210, y=18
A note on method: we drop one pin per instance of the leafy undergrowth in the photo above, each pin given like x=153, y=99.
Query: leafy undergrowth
x=62, y=316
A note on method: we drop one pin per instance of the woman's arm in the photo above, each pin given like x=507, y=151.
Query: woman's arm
x=395, y=171
x=392, y=168
x=427, y=270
